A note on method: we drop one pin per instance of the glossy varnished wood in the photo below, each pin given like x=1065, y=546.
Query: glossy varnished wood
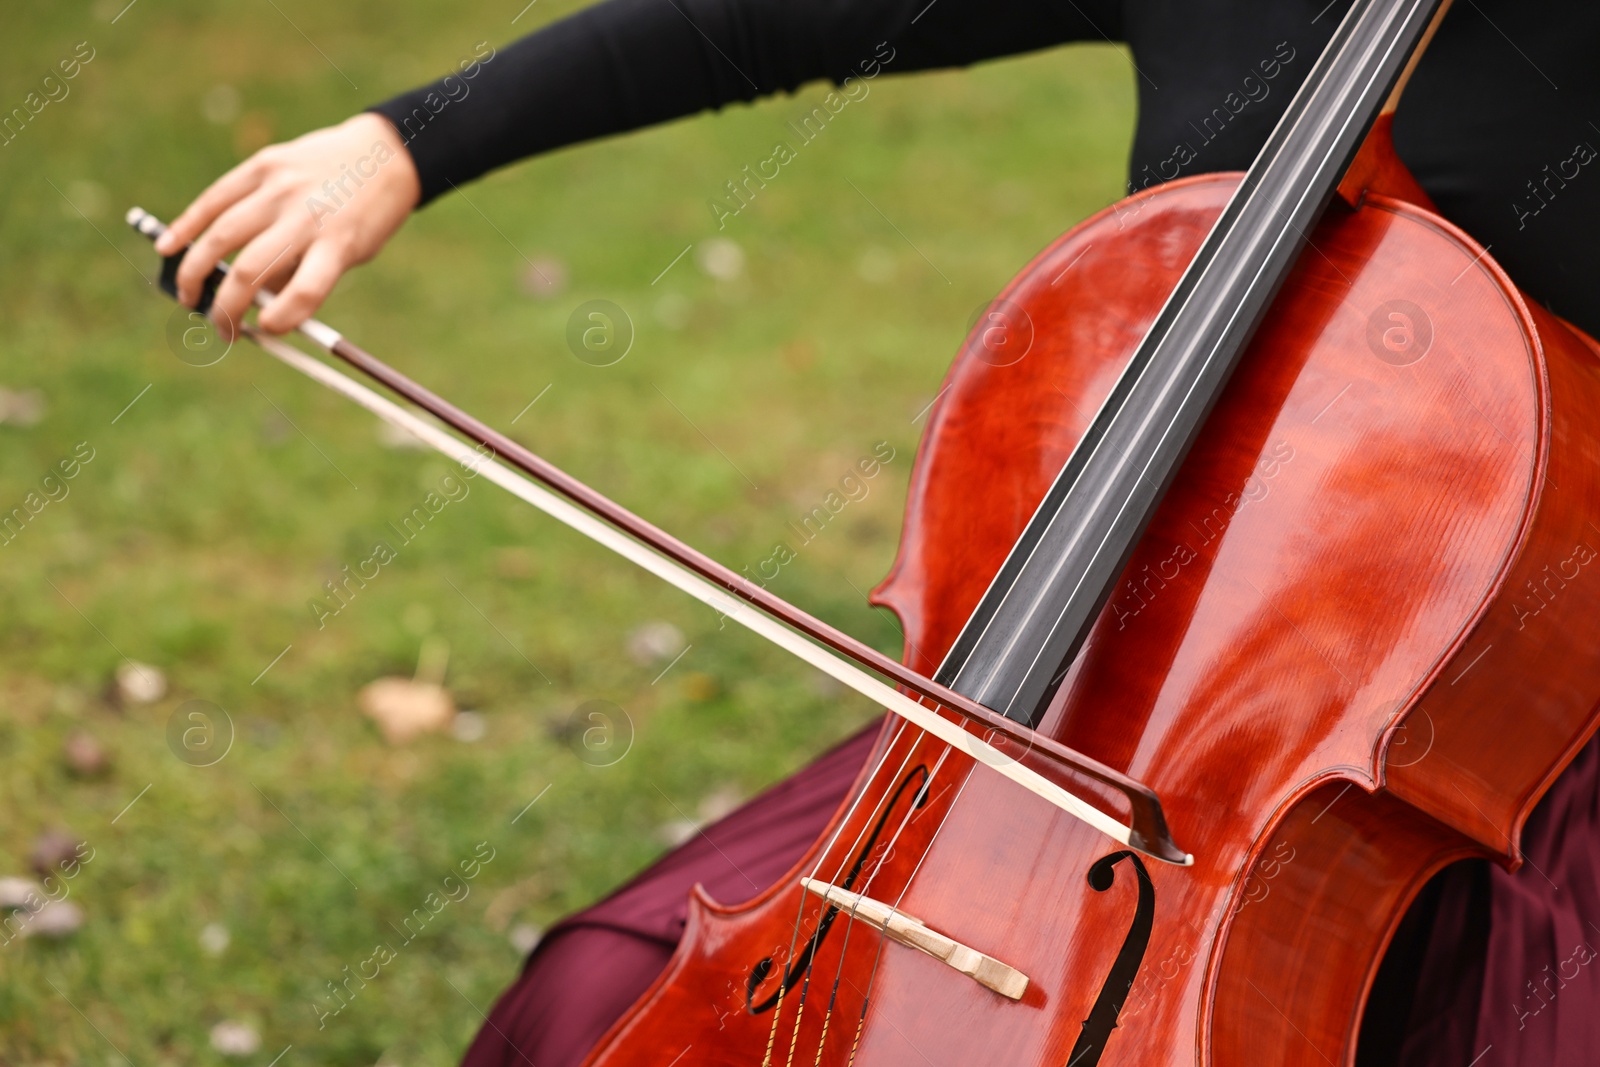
x=1325, y=656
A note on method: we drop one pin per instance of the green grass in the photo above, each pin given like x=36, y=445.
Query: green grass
x=207, y=519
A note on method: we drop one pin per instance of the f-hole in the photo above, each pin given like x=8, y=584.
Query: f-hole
x=797, y=970
x=1103, y=1016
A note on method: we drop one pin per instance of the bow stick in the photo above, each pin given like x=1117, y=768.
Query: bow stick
x=1038, y=763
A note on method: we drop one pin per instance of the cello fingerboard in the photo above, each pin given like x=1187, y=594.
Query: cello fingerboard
x=1015, y=648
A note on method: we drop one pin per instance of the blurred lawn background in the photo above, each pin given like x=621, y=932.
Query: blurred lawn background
x=217, y=505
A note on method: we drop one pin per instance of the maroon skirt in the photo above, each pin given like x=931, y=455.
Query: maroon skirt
x=1488, y=968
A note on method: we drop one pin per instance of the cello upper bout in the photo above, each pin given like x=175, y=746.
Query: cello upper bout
x=1021, y=391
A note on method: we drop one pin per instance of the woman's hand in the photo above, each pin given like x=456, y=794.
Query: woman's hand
x=303, y=212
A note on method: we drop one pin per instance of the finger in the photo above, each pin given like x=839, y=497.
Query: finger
x=217, y=198
x=266, y=253
x=237, y=225
x=277, y=277
x=319, y=271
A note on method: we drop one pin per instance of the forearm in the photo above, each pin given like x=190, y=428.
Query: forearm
x=625, y=64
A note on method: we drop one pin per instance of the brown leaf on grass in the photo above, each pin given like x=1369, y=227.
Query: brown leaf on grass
x=234, y=1038
x=700, y=686
x=18, y=893
x=138, y=683
x=405, y=708
x=55, y=920
x=21, y=407
x=84, y=755
x=525, y=937
x=53, y=850
x=655, y=642
x=545, y=278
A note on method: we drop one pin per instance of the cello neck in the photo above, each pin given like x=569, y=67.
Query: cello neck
x=1015, y=648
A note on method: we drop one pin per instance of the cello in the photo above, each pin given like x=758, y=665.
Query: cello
x=1268, y=491
x=1242, y=494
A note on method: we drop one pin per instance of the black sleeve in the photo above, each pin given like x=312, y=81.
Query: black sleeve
x=624, y=64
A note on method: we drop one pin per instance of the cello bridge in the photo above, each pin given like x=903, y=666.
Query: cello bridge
x=913, y=933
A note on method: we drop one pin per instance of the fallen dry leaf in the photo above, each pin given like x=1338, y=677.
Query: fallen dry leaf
x=233, y=1038
x=405, y=708
x=55, y=920
x=468, y=726
x=20, y=893
x=139, y=683
x=525, y=937
x=21, y=407
x=53, y=851
x=85, y=756
x=655, y=642
x=214, y=938
x=546, y=277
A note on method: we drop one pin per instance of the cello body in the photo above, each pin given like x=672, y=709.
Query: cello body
x=1354, y=645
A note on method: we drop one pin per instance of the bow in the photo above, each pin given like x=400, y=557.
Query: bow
x=1034, y=761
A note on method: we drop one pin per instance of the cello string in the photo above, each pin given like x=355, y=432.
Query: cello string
x=883, y=936
x=833, y=995
x=885, y=797
x=889, y=795
x=866, y=1000
x=937, y=830
x=923, y=789
x=872, y=976
x=928, y=848
x=905, y=821
x=855, y=909
x=800, y=911
x=811, y=963
x=811, y=960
